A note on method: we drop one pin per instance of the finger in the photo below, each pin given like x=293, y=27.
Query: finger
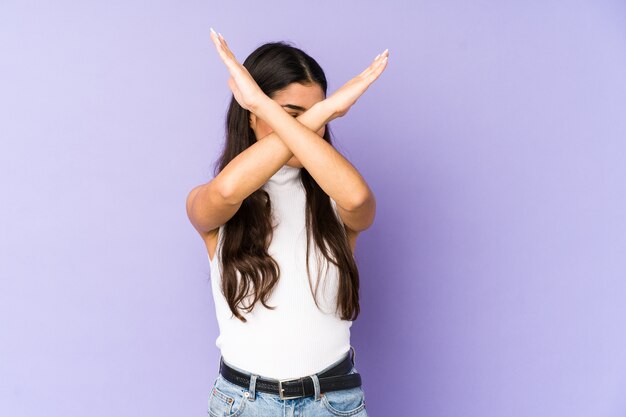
x=226, y=47
x=215, y=40
x=375, y=63
x=369, y=68
x=225, y=54
x=375, y=73
x=220, y=44
x=380, y=61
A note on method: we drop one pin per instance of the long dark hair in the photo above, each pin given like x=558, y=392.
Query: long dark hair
x=247, y=235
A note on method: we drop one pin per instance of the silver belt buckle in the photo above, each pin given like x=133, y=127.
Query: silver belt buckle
x=280, y=388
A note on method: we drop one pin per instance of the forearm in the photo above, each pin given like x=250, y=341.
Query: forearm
x=253, y=167
x=332, y=172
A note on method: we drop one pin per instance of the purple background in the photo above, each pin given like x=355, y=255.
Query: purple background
x=493, y=280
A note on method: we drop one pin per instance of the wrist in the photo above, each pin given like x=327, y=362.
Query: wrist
x=328, y=108
x=260, y=105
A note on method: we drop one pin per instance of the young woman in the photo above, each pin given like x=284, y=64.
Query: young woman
x=280, y=221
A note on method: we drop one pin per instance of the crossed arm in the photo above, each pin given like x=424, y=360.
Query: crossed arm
x=212, y=204
x=334, y=173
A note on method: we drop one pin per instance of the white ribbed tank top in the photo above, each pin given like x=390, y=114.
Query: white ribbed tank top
x=296, y=338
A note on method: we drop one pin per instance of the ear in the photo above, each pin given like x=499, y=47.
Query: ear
x=252, y=120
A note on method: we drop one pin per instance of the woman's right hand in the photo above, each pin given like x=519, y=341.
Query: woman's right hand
x=347, y=95
x=245, y=89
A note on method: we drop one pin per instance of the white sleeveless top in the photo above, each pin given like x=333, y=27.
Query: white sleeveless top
x=296, y=338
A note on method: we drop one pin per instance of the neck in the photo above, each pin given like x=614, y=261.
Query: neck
x=285, y=175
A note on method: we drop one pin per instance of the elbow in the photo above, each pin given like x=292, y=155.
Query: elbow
x=226, y=193
x=361, y=200
x=368, y=205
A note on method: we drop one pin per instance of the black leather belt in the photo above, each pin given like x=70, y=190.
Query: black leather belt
x=335, y=378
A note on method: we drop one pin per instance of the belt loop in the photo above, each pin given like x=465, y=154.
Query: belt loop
x=252, y=387
x=220, y=366
x=353, y=355
x=316, y=386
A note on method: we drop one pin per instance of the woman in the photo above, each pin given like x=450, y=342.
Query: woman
x=281, y=193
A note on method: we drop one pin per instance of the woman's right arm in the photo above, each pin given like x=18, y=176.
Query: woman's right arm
x=212, y=204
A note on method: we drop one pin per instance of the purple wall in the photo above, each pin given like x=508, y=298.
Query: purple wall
x=495, y=141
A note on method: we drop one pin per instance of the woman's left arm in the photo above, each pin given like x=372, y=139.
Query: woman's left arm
x=356, y=203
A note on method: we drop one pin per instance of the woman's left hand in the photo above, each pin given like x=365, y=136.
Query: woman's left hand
x=246, y=91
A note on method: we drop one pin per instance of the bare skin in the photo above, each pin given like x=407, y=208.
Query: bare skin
x=286, y=137
x=299, y=95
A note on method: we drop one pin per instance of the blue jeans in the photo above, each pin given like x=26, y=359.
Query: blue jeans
x=231, y=400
